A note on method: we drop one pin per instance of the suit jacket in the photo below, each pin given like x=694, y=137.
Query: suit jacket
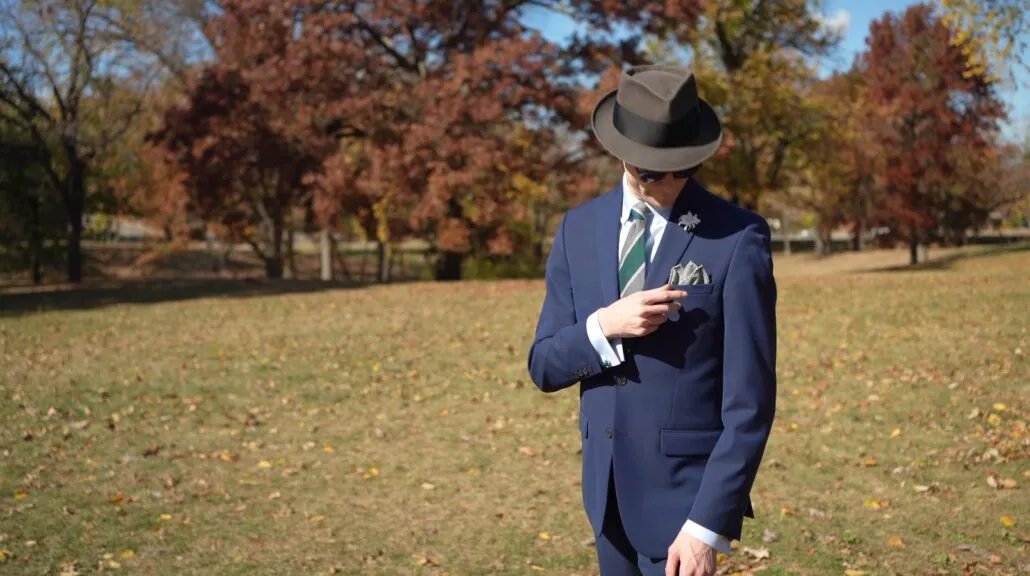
x=684, y=420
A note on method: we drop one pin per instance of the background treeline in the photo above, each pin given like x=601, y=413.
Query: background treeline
x=455, y=125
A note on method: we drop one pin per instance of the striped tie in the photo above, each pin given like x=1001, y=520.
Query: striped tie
x=633, y=255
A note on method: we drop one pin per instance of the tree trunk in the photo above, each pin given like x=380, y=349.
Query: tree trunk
x=448, y=264
x=913, y=249
x=383, y=270
x=856, y=242
x=785, y=227
x=820, y=249
x=74, y=204
x=291, y=259
x=327, y=255
x=36, y=244
x=274, y=260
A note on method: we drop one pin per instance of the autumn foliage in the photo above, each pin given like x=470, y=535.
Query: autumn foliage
x=423, y=117
x=936, y=124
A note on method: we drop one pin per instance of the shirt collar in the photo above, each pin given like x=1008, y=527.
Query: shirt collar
x=629, y=200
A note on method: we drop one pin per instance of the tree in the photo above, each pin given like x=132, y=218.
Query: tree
x=73, y=84
x=431, y=110
x=937, y=122
x=842, y=158
x=244, y=164
x=990, y=33
x=750, y=60
x=28, y=212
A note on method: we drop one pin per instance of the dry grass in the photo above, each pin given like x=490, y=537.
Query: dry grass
x=392, y=430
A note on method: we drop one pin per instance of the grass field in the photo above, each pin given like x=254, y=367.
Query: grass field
x=393, y=430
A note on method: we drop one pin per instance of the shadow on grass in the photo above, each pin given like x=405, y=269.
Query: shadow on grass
x=946, y=262
x=154, y=292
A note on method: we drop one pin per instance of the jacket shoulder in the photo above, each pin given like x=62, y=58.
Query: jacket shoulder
x=731, y=217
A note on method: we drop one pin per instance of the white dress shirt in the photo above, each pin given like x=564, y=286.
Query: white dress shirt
x=611, y=351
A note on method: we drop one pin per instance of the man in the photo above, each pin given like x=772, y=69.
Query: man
x=661, y=303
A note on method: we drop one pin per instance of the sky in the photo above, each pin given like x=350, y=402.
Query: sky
x=854, y=16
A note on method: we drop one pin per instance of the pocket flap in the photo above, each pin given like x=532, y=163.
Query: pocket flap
x=689, y=442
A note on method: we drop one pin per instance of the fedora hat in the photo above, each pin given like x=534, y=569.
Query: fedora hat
x=656, y=121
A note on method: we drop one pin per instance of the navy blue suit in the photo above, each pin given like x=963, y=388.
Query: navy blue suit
x=684, y=420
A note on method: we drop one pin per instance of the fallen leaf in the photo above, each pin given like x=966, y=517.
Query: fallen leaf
x=114, y=564
x=869, y=462
x=127, y=554
x=1008, y=521
x=974, y=413
x=896, y=542
x=992, y=481
x=164, y=517
x=544, y=536
x=5, y=555
x=999, y=407
x=920, y=488
x=316, y=518
x=995, y=559
x=117, y=498
x=896, y=432
x=20, y=494
x=424, y=560
x=264, y=464
x=757, y=553
x=769, y=536
x=872, y=504
x=527, y=451
x=850, y=572
x=427, y=486
x=993, y=419
x=1008, y=483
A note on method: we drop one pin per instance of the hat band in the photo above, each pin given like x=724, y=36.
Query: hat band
x=655, y=134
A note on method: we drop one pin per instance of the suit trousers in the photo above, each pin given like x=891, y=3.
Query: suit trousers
x=615, y=554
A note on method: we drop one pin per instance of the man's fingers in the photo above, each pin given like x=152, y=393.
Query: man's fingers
x=663, y=294
x=666, y=308
x=672, y=563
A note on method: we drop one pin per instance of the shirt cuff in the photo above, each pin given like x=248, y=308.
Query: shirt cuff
x=716, y=541
x=605, y=350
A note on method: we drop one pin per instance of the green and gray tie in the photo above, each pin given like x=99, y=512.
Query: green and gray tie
x=633, y=255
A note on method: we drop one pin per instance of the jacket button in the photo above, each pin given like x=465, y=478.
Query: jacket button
x=620, y=380
x=608, y=431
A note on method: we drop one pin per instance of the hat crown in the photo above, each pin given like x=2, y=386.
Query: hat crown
x=658, y=93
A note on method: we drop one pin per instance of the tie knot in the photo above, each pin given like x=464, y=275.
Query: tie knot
x=638, y=211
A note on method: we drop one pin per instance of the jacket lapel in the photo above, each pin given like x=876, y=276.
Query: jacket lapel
x=607, y=243
x=675, y=241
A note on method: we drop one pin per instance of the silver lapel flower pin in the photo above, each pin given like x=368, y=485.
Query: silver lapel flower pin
x=688, y=221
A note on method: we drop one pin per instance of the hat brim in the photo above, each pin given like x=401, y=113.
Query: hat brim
x=699, y=149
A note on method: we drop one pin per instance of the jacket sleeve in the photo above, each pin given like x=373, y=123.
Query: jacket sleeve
x=748, y=387
x=561, y=354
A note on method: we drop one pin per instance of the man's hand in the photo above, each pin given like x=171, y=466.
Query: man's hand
x=640, y=313
x=689, y=556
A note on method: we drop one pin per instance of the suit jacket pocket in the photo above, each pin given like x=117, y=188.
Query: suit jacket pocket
x=689, y=442
x=695, y=288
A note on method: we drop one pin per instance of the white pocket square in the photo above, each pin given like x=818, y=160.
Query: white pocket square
x=689, y=274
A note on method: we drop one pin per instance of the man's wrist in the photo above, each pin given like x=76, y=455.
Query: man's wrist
x=602, y=313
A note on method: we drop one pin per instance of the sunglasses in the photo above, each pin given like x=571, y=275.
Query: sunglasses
x=652, y=176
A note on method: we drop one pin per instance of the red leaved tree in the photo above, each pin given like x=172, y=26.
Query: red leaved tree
x=434, y=114
x=937, y=123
